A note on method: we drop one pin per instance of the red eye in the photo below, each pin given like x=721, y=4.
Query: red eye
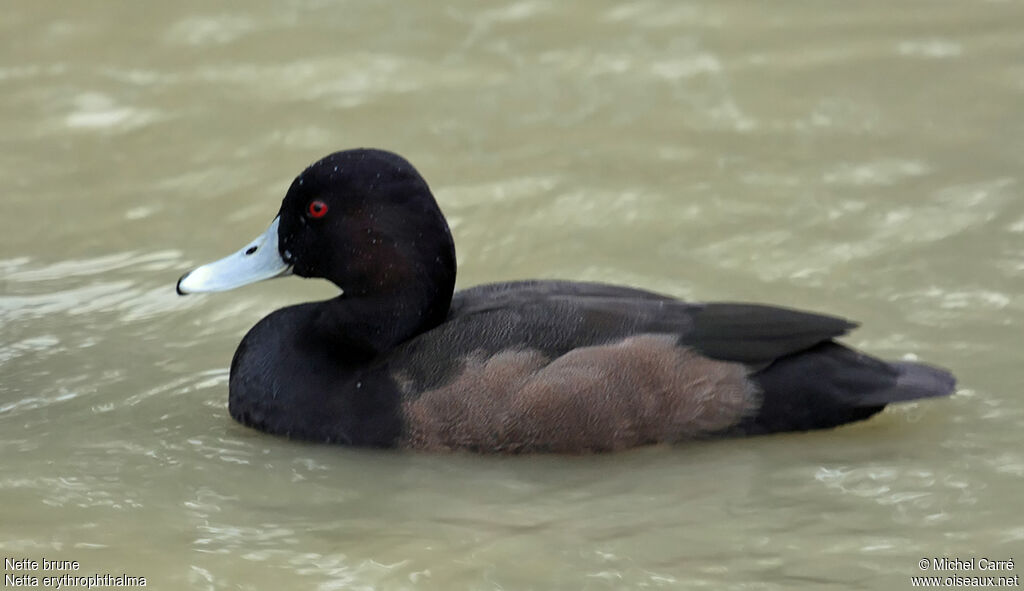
x=317, y=209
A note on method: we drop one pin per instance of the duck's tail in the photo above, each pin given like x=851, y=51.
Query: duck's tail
x=913, y=381
x=829, y=385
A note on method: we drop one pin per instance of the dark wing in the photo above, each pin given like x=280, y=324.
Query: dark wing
x=748, y=333
x=758, y=335
x=554, y=317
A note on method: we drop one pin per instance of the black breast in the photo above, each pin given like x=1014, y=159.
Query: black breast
x=287, y=380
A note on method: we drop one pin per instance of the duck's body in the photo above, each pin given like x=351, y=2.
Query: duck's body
x=398, y=360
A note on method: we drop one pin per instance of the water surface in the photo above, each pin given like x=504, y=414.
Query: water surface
x=862, y=159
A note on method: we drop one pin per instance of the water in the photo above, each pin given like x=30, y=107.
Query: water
x=858, y=158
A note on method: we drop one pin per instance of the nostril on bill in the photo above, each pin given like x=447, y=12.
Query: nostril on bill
x=251, y=250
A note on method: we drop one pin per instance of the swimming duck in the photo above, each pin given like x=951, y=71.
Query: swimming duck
x=399, y=359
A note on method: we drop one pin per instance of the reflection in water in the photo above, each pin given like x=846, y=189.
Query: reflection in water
x=863, y=160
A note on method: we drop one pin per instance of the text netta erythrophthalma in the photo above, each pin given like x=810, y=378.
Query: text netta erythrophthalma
x=397, y=360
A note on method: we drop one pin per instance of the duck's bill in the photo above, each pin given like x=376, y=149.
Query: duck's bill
x=259, y=260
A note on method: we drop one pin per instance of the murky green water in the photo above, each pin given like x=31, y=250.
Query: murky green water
x=860, y=158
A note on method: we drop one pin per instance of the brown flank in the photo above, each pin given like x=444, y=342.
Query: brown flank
x=641, y=390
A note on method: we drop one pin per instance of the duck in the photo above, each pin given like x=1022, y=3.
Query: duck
x=399, y=359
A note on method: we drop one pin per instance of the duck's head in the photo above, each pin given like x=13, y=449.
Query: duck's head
x=364, y=219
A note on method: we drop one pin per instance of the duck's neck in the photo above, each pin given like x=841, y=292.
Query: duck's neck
x=366, y=325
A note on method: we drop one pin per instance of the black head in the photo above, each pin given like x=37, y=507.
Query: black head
x=366, y=220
